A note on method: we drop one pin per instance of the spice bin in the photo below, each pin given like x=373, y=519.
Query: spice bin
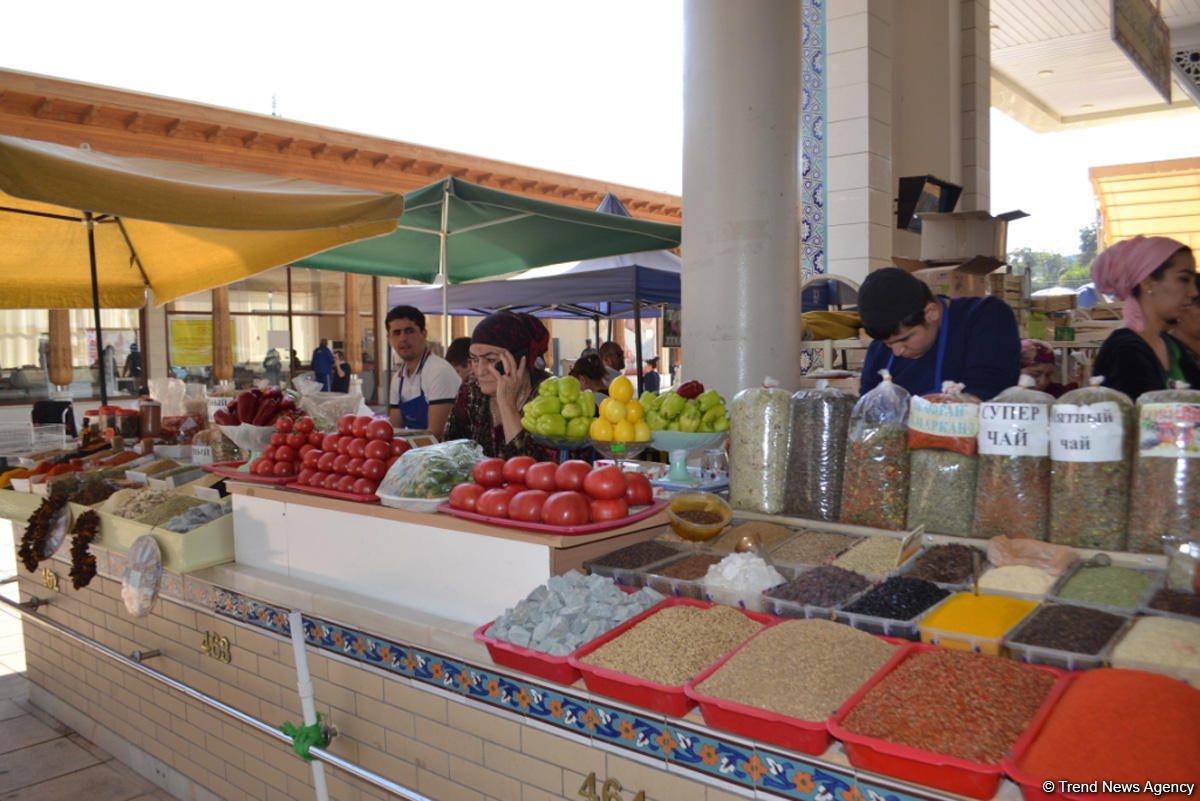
x=1153, y=582
x=889, y=627
x=630, y=565
x=1178, y=641
x=676, y=585
x=1058, y=657
x=784, y=607
x=992, y=615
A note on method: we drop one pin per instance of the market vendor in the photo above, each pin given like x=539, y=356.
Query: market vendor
x=1155, y=276
x=424, y=387
x=504, y=347
x=924, y=340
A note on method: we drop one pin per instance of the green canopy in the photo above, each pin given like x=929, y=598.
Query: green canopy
x=487, y=232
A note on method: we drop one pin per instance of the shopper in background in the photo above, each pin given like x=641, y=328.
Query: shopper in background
x=651, y=380
x=588, y=350
x=322, y=364
x=924, y=340
x=590, y=373
x=272, y=367
x=1155, y=276
x=1038, y=362
x=1187, y=329
x=425, y=384
x=613, y=358
x=457, y=354
x=339, y=379
x=488, y=410
x=133, y=363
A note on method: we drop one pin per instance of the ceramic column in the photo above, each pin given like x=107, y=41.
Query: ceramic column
x=741, y=193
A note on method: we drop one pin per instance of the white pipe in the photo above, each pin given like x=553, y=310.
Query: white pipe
x=304, y=683
x=443, y=266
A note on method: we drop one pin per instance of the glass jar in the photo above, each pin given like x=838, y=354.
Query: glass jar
x=150, y=418
x=126, y=424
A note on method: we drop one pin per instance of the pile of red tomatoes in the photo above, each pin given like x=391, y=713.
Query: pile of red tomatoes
x=353, y=459
x=569, y=494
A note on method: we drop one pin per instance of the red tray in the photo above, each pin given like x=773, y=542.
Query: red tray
x=940, y=771
x=345, y=496
x=1031, y=786
x=535, y=663
x=229, y=469
x=805, y=736
x=547, y=528
x=672, y=701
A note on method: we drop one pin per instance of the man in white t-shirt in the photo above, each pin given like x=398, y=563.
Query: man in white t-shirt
x=424, y=387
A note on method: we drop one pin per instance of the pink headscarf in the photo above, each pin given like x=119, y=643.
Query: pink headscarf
x=1126, y=264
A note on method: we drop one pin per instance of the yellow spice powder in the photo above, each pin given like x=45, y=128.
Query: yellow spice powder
x=981, y=615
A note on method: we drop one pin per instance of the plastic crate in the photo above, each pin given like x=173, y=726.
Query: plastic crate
x=966, y=641
x=526, y=660
x=1156, y=580
x=1056, y=657
x=23, y=439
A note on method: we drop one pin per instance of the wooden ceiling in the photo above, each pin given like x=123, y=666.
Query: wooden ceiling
x=128, y=123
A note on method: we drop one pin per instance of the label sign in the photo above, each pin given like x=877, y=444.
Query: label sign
x=1014, y=429
x=1088, y=433
x=943, y=419
x=1169, y=430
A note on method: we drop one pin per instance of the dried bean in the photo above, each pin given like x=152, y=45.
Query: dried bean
x=1107, y=586
x=1180, y=603
x=834, y=660
x=1069, y=628
x=957, y=703
x=947, y=564
x=813, y=547
x=822, y=586
x=941, y=493
x=874, y=556
x=875, y=482
x=817, y=453
x=898, y=598
x=674, y=644
x=636, y=555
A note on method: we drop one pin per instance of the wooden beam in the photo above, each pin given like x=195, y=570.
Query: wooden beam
x=44, y=108
x=213, y=133
x=136, y=123
x=173, y=126
x=89, y=115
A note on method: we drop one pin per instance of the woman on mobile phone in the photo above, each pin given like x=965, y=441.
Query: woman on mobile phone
x=504, y=348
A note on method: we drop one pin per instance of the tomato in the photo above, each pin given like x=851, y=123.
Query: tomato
x=285, y=454
x=605, y=483
x=283, y=424
x=489, y=472
x=380, y=429
x=331, y=480
x=343, y=444
x=304, y=476
x=287, y=468
x=278, y=439
x=364, y=486
x=566, y=508
x=354, y=466
x=613, y=509
x=377, y=449
x=527, y=505
x=346, y=483
x=464, y=495
x=399, y=446
x=339, y=463
x=329, y=443
x=493, y=503
x=540, y=476
x=296, y=441
x=325, y=461
x=317, y=479
x=638, y=492
x=570, y=474
x=357, y=447
x=306, y=449
x=345, y=424
x=373, y=469
x=359, y=426
x=268, y=453
x=316, y=438
x=257, y=464
x=304, y=425
x=515, y=467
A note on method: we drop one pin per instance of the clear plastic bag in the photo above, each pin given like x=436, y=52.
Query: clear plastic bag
x=1012, y=489
x=817, y=452
x=948, y=420
x=941, y=492
x=432, y=471
x=1091, y=444
x=1053, y=559
x=1165, y=499
x=875, y=481
x=758, y=448
x=170, y=392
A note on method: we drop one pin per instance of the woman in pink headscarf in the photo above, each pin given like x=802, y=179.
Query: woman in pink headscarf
x=1156, y=278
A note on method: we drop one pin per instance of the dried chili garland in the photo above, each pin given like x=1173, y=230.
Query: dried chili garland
x=33, y=541
x=83, y=563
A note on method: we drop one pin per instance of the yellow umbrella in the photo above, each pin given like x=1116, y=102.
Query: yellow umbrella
x=80, y=228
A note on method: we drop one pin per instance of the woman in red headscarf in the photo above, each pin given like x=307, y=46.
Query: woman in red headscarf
x=1038, y=362
x=1156, y=278
x=504, y=350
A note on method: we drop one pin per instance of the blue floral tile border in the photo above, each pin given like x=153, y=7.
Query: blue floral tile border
x=703, y=751
x=813, y=153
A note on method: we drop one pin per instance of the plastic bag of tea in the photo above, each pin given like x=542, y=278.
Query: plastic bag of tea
x=1166, y=470
x=817, y=452
x=1012, y=488
x=943, y=433
x=875, y=481
x=1091, y=445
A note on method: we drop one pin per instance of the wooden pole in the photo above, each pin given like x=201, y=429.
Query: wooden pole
x=222, y=348
x=60, y=367
x=353, y=325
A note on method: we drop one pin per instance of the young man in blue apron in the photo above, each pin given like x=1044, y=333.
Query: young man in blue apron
x=425, y=385
x=924, y=340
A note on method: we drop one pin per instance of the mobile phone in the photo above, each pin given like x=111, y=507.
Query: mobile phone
x=499, y=366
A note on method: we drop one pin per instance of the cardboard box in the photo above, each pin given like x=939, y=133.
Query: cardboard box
x=965, y=279
x=1053, y=303
x=957, y=236
x=210, y=544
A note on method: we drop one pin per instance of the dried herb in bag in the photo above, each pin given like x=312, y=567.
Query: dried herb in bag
x=1091, y=442
x=758, y=448
x=1165, y=500
x=1012, y=488
x=817, y=452
x=875, y=481
x=942, y=463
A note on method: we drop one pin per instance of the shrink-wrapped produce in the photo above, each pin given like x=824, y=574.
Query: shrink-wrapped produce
x=1165, y=501
x=943, y=433
x=875, y=481
x=758, y=448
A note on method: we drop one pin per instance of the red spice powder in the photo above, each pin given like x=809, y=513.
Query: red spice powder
x=1121, y=725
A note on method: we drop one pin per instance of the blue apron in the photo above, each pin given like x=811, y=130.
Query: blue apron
x=941, y=352
x=414, y=413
